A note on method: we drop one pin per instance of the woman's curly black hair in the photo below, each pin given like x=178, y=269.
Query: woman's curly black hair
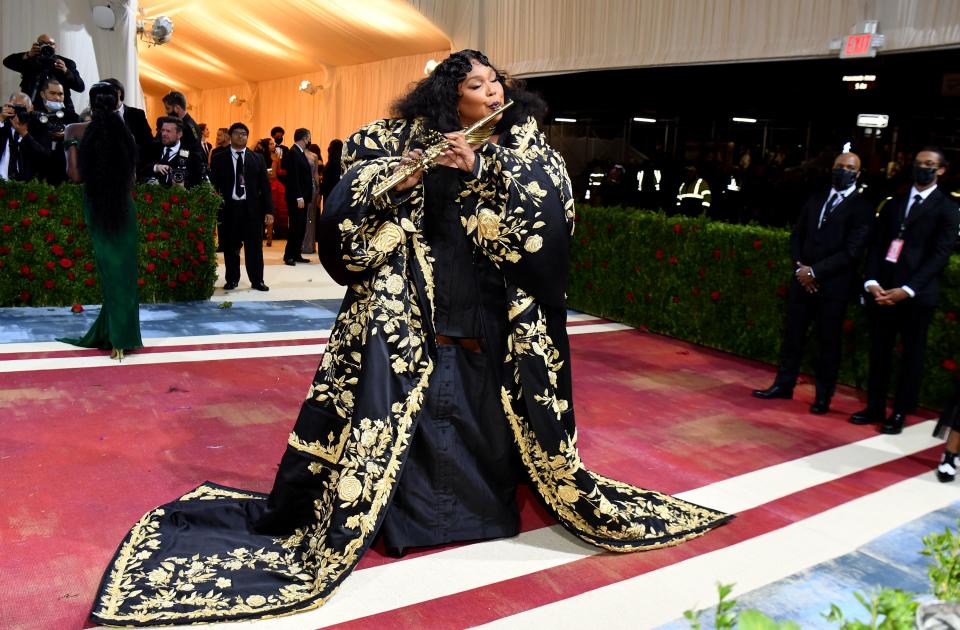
x=435, y=98
x=108, y=157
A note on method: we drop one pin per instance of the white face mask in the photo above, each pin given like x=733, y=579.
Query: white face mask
x=53, y=105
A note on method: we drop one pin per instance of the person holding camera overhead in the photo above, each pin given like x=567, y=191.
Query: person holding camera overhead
x=170, y=162
x=23, y=155
x=42, y=62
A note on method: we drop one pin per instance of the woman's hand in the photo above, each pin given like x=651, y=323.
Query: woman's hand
x=414, y=178
x=459, y=154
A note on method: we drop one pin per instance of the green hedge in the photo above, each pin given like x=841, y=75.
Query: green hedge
x=46, y=256
x=724, y=286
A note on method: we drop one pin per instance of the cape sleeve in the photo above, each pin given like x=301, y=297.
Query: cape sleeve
x=357, y=232
x=520, y=212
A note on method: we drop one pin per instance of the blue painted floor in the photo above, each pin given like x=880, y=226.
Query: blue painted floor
x=892, y=560
x=19, y=325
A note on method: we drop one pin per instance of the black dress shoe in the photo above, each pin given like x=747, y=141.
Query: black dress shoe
x=893, y=424
x=947, y=470
x=301, y=260
x=229, y=286
x=261, y=287
x=774, y=391
x=820, y=406
x=866, y=416
x=291, y=263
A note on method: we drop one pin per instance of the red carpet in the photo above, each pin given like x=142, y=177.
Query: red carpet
x=87, y=451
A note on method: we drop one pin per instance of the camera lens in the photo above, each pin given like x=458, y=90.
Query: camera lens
x=46, y=50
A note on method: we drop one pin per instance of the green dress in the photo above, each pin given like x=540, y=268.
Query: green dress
x=115, y=253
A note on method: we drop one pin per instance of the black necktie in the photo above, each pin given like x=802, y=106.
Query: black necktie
x=917, y=200
x=832, y=203
x=166, y=156
x=13, y=167
x=238, y=188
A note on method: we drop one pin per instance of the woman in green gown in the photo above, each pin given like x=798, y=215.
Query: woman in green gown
x=102, y=155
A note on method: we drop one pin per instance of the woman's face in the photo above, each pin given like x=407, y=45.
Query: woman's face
x=480, y=94
x=271, y=145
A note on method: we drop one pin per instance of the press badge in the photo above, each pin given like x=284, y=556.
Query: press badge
x=893, y=253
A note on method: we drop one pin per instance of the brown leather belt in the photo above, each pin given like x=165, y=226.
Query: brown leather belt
x=467, y=343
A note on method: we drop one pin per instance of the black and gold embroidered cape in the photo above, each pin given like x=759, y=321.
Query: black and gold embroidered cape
x=224, y=554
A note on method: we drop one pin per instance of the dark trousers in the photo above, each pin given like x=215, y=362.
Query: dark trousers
x=802, y=310
x=298, y=228
x=242, y=227
x=910, y=321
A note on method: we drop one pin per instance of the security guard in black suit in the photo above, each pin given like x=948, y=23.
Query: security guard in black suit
x=826, y=246
x=915, y=236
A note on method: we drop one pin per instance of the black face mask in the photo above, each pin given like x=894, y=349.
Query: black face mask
x=841, y=178
x=923, y=175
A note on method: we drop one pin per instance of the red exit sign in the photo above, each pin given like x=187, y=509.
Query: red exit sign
x=858, y=46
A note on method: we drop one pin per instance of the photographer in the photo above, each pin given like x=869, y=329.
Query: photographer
x=170, y=162
x=50, y=118
x=42, y=62
x=23, y=155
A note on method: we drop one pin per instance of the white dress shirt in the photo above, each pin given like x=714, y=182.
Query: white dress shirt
x=5, y=158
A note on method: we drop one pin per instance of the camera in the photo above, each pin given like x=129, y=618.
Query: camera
x=20, y=113
x=178, y=175
x=52, y=121
x=47, y=56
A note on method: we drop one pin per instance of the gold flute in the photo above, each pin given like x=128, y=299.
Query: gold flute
x=476, y=133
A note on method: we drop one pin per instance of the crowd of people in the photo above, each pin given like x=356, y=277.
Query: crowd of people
x=176, y=151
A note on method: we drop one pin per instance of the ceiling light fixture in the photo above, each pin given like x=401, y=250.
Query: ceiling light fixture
x=309, y=88
x=159, y=32
x=743, y=120
x=567, y=120
x=644, y=120
x=236, y=100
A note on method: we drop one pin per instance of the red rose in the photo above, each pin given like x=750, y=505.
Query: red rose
x=154, y=221
x=26, y=220
x=49, y=284
x=165, y=206
x=185, y=213
x=66, y=263
x=676, y=299
x=701, y=272
x=89, y=282
x=4, y=250
x=677, y=228
x=757, y=243
x=7, y=228
x=164, y=235
x=13, y=204
x=51, y=264
x=77, y=252
x=950, y=364
x=847, y=325
x=140, y=282
x=951, y=316
x=172, y=284
x=43, y=212
x=182, y=277
x=748, y=272
x=51, y=198
x=88, y=266
x=28, y=247
x=717, y=254
x=151, y=236
x=148, y=197
x=629, y=296
x=57, y=250
x=50, y=237
x=174, y=199
x=153, y=252
x=76, y=308
x=176, y=262
x=673, y=260
x=71, y=275
x=31, y=196
x=659, y=254
x=162, y=276
x=164, y=254
x=24, y=296
x=151, y=267
x=203, y=258
x=70, y=239
x=714, y=295
x=24, y=270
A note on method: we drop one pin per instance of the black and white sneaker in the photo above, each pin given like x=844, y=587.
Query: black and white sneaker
x=947, y=470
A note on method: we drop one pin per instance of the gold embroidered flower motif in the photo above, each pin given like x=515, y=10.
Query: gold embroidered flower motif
x=488, y=224
x=223, y=583
x=399, y=365
x=388, y=237
x=534, y=189
x=256, y=601
x=349, y=488
x=158, y=576
x=533, y=243
x=367, y=438
x=568, y=494
x=394, y=284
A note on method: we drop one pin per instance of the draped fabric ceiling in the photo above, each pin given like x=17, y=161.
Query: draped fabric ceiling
x=364, y=53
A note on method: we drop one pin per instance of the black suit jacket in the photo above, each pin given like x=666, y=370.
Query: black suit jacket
x=834, y=249
x=255, y=178
x=297, y=177
x=32, y=74
x=136, y=121
x=34, y=150
x=930, y=233
x=191, y=132
x=192, y=163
